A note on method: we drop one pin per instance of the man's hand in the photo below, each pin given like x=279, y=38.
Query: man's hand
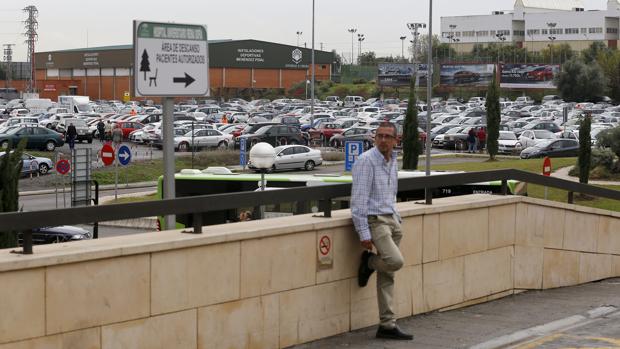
x=367, y=244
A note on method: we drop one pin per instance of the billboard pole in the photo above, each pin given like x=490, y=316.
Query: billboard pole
x=429, y=95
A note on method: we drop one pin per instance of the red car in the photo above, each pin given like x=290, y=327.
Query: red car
x=127, y=127
x=541, y=74
x=324, y=131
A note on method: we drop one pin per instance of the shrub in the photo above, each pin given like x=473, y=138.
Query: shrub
x=603, y=158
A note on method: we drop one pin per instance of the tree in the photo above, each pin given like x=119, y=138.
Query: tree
x=611, y=139
x=10, y=169
x=585, y=149
x=609, y=61
x=493, y=117
x=367, y=58
x=578, y=82
x=144, y=64
x=411, y=138
x=557, y=53
x=592, y=52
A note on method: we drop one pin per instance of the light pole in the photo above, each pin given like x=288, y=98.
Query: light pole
x=450, y=37
x=414, y=27
x=352, y=31
x=501, y=38
x=313, y=80
x=298, y=36
x=360, y=38
x=457, y=40
x=429, y=96
x=552, y=39
x=402, y=47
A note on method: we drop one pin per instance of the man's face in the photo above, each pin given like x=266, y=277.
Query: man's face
x=385, y=139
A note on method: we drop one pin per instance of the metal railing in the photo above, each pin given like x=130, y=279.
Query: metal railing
x=196, y=205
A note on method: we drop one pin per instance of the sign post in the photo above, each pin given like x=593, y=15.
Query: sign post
x=352, y=150
x=170, y=60
x=546, y=171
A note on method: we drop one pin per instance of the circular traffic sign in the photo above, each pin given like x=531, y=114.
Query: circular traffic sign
x=325, y=245
x=107, y=154
x=63, y=166
x=124, y=155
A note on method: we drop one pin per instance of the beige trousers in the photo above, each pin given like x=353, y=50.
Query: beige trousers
x=386, y=235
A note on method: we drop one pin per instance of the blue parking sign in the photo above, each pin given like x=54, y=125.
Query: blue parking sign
x=242, y=153
x=352, y=149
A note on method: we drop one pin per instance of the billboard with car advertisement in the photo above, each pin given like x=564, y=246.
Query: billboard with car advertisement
x=528, y=75
x=466, y=75
x=399, y=74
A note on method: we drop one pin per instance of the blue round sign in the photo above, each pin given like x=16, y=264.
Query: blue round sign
x=123, y=155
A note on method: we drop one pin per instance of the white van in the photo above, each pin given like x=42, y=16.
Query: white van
x=353, y=101
x=38, y=105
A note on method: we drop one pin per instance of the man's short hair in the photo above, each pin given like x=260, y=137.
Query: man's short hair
x=389, y=125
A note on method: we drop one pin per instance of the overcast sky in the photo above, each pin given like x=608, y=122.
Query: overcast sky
x=66, y=24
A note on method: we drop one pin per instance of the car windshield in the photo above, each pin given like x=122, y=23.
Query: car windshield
x=507, y=136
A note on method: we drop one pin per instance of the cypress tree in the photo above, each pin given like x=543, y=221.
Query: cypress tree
x=493, y=117
x=10, y=169
x=412, y=146
x=585, y=149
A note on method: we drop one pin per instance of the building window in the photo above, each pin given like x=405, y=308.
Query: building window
x=531, y=32
x=493, y=32
x=571, y=31
x=518, y=32
x=612, y=30
x=556, y=31
x=584, y=30
x=504, y=32
x=597, y=30
x=469, y=33
x=482, y=33
x=545, y=31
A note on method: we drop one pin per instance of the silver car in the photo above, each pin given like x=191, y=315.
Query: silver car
x=204, y=138
x=294, y=157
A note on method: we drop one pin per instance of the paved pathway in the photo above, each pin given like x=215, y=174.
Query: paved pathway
x=563, y=174
x=571, y=317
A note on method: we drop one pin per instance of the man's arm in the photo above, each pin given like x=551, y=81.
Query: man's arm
x=360, y=195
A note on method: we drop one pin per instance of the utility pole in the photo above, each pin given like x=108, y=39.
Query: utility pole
x=8, y=58
x=31, y=25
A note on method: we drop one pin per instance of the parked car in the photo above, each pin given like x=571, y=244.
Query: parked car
x=552, y=148
x=274, y=135
x=203, y=138
x=506, y=142
x=128, y=126
x=33, y=164
x=530, y=138
x=364, y=134
x=294, y=157
x=462, y=76
x=540, y=74
x=38, y=138
x=83, y=132
x=324, y=131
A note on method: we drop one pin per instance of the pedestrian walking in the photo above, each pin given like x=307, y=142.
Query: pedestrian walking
x=71, y=135
x=101, y=130
x=108, y=130
x=471, y=141
x=373, y=199
x=482, y=139
x=117, y=135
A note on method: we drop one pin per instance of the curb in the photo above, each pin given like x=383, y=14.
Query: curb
x=106, y=187
x=140, y=223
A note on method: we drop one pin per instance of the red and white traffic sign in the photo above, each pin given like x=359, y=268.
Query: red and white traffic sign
x=63, y=166
x=547, y=166
x=107, y=154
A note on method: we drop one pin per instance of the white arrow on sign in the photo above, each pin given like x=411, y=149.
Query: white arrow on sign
x=124, y=155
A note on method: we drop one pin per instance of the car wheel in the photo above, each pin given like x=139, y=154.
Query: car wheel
x=43, y=169
x=309, y=165
x=4, y=145
x=50, y=146
x=183, y=146
x=222, y=145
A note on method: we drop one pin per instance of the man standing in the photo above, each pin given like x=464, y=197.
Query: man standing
x=373, y=199
x=101, y=130
x=482, y=139
x=71, y=135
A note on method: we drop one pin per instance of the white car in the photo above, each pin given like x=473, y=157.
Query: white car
x=506, y=142
x=203, y=138
x=294, y=157
x=530, y=138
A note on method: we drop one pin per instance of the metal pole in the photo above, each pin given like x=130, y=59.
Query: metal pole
x=429, y=95
x=116, y=173
x=167, y=133
x=313, y=77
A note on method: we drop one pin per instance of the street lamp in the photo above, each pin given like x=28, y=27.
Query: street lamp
x=298, y=36
x=262, y=156
x=457, y=40
x=352, y=31
x=501, y=38
x=552, y=39
x=451, y=38
x=402, y=47
x=360, y=38
x=414, y=27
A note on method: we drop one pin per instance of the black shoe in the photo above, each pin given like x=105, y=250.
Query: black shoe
x=393, y=333
x=364, y=271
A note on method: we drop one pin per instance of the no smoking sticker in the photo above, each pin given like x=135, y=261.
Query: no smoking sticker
x=324, y=250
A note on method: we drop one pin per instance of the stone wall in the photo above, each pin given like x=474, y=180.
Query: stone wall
x=251, y=285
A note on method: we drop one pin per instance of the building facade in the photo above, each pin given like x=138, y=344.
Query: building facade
x=535, y=24
x=234, y=65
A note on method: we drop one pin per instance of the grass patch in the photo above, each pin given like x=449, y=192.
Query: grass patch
x=150, y=170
